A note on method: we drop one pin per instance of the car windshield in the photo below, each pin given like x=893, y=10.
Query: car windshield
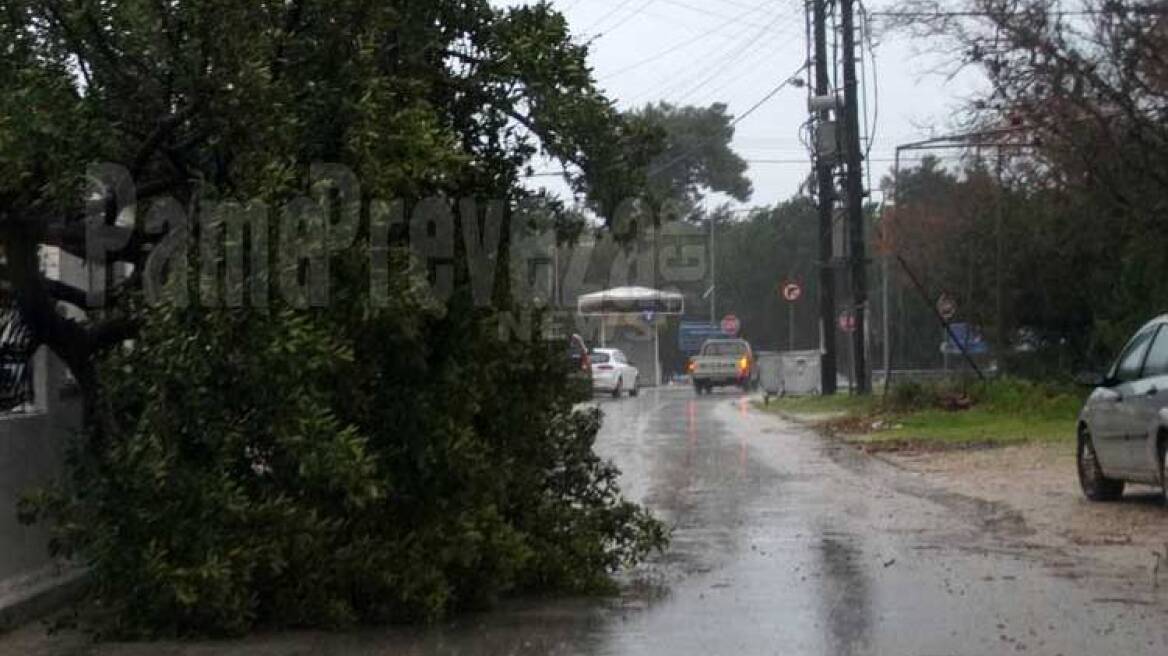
x=724, y=348
x=600, y=358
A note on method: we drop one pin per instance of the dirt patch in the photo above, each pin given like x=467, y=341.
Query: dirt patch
x=912, y=447
x=866, y=432
x=1038, y=482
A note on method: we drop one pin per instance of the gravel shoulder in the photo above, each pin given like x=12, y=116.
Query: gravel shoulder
x=1038, y=481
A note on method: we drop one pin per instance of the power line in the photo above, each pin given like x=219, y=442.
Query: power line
x=755, y=107
x=719, y=63
x=728, y=59
x=684, y=42
x=867, y=39
x=702, y=10
x=711, y=63
x=728, y=80
x=771, y=94
x=797, y=161
x=609, y=14
x=1155, y=11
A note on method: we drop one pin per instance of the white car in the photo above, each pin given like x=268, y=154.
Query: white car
x=612, y=373
x=1123, y=429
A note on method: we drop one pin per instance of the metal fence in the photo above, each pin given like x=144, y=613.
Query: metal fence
x=16, y=352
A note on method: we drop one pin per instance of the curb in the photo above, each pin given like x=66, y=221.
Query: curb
x=33, y=596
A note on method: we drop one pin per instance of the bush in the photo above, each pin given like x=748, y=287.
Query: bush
x=1006, y=395
x=320, y=469
x=1020, y=396
x=913, y=395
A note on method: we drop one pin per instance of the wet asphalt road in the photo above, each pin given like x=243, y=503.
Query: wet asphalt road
x=786, y=544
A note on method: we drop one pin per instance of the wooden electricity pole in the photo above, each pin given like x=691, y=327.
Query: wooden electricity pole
x=855, y=198
x=824, y=175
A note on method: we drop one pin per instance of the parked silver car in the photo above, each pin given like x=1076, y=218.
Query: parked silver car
x=1123, y=428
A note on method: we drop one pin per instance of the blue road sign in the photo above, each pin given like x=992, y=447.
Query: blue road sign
x=692, y=334
x=967, y=336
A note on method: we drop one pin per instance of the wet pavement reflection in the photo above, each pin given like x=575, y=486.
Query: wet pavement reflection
x=783, y=544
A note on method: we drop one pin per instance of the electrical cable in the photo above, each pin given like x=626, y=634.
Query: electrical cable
x=747, y=70
x=685, y=5
x=719, y=65
x=741, y=117
x=606, y=15
x=672, y=87
x=681, y=44
x=867, y=39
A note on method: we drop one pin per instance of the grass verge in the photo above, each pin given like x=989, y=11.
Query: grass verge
x=943, y=416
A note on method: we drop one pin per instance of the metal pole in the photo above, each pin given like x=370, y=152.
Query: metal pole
x=855, y=200
x=829, y=365
x=713, y=273
x=884, y=301
x=1002, y=337
x=884, y=227
x=791, y=326
x=657, y=350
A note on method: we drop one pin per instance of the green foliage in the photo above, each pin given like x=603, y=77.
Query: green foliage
x=912, y=395
x=948, y=414
x=696, y=158
x=755, y=255
x=1026, y=397
x=326, y=468
x=315, y=468
x=1007, y=395
x=1066, y=243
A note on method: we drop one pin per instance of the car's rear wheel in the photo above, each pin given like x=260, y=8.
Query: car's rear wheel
x=636, y=391
x=616, y=391
x=1096, y=486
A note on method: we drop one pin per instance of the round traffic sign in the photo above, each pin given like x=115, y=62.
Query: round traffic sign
x=847, y=321
x=792, y=291
x=731, y=325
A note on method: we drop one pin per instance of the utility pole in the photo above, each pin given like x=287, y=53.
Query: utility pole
x=855, y=198
x=713, y=271
x=829, y=367
x=1002, y=337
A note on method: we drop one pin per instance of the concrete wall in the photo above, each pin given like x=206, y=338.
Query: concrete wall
x=33, y=444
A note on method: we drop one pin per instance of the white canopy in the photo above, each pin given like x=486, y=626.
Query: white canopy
x=631, y=300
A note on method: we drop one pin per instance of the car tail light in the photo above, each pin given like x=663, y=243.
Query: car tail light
x=691, y=367
x=744, y=364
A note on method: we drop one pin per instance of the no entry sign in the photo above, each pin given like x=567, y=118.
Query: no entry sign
x=792, y=291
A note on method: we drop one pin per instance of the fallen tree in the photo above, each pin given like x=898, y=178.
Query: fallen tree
x=381, y=457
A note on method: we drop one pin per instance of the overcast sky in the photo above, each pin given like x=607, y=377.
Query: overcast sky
x=699, y=52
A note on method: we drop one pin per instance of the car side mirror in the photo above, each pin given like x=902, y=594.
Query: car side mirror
x=1090, y=379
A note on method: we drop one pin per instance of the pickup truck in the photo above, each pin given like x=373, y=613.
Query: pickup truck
x=723, y=363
